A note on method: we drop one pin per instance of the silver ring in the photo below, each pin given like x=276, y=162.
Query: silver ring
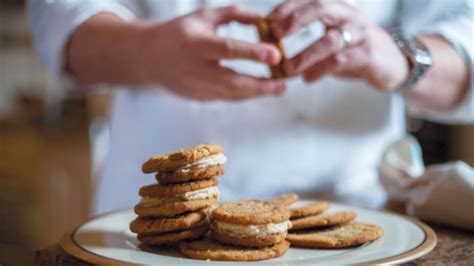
x=346, y=38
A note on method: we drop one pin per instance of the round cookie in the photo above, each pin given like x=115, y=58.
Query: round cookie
x=173, y=237
x=189, y=220
x=181, y=158
x=347, y=235
x=174, y=208
x=310, y=209
x=286, y=199
x=195, y=173
x=160, y=190
x=321, y=220
x=260, y=241
x=250, y=223
x=207, y=249
x=249, y=212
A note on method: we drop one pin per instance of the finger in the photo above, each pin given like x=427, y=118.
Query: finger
x=330, y=43
x=236, y=86
x=283, y=10
x=325, y=67
x=331, y=14
x=227, y=14
x=216, y=48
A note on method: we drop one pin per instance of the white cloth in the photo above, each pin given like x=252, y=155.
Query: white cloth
x=440, y=193
x=322, y=140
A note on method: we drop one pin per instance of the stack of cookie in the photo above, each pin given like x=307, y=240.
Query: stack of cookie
x=313, y=227
x=244, y=230
x=176, y=208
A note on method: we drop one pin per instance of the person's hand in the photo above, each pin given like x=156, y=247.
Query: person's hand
x=183, y=55
x=371, y=54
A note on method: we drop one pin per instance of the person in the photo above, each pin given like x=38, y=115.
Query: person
x=190, y=72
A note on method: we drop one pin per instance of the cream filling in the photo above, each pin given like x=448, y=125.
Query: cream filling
x=211, y=160
x=240, y=230
x=199, y=194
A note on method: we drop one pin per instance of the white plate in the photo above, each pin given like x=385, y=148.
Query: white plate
x=107, y=240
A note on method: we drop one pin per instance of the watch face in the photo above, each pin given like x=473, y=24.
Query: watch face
x=417, y=53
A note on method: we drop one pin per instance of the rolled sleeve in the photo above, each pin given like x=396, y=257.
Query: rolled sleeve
x=453, y=21
x=53, y=21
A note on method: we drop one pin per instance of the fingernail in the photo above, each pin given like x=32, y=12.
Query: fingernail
x=269, y=55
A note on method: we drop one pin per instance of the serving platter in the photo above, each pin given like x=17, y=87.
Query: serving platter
x=106, y=239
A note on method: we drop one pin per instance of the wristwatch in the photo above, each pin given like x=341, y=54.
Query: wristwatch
x=417, y=54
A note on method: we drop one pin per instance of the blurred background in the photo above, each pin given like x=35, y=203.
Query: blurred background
x=52, y=143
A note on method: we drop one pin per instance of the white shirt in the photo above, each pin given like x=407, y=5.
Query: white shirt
x=322, y=140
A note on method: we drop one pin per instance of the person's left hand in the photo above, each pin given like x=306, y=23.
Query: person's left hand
x=371, y=54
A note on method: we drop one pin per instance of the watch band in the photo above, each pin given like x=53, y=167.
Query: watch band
x=418, y=56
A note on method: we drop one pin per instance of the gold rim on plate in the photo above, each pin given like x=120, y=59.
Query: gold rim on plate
x=72, y=248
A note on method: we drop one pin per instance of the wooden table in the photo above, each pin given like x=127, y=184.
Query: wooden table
x=455, y=246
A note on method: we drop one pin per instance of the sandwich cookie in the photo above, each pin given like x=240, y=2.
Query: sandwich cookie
x=208, y=249
x=169, y=200
x=192, y=173
x=250, y=223
x=266, y=35
x=200, y=156
x=322, y=220
x=150, y=226
x=173, y=238
x=347, y=235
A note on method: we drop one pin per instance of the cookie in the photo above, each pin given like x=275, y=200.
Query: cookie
x=195, y=173
x=250, y=241
x=286, y=199
x=169, y=200
x=181, y=158
x=248, y=212
x=161, y=190
x=174, y=208
x=324, y=219
x=207, y=249
x=173, y=237
x=189, y=220
x=310, y=209
x=266, y=35
x=347, y=235
x=250, y=223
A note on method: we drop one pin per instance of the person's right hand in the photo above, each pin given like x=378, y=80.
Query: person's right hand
x=184, y=53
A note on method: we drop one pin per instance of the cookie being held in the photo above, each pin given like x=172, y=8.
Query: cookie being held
x=266, y=35
x=250, y=223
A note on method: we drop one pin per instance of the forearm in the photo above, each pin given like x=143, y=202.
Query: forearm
x=105, y=49
x=446, y=82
